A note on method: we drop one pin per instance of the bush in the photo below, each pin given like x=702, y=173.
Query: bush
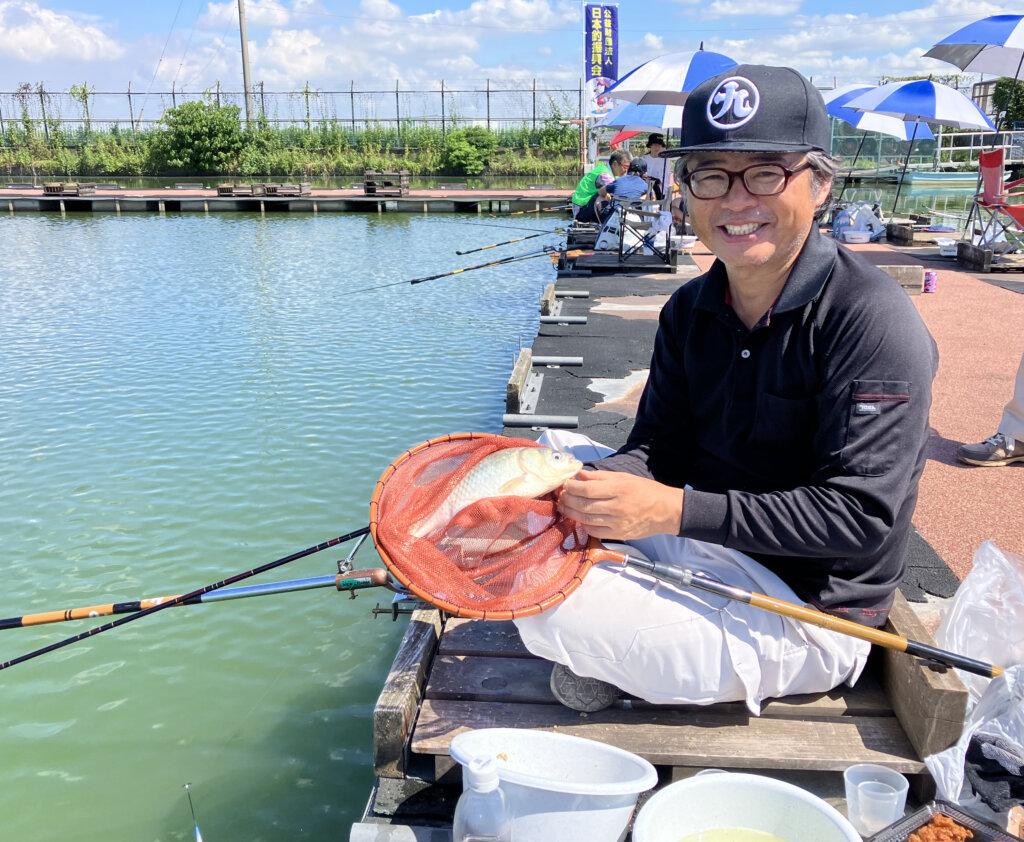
x=468, y=151
x=198, y=137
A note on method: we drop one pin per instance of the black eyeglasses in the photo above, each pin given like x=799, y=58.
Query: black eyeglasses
x=759, y=179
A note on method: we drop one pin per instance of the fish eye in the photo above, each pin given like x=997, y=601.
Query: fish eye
x=556, y=455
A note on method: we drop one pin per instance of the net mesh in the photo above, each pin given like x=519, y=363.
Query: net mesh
x=498, y=557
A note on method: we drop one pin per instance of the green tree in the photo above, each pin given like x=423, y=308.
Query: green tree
x=469, y=150
x=198, y=137
x=1009, y=97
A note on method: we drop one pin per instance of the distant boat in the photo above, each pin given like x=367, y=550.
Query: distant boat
x=942, y=179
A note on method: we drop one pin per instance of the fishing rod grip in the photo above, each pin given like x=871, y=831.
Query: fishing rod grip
x=872, y=635
x=356, y=579
x=961, y=662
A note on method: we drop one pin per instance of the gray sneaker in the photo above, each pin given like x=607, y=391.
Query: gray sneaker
x=586, y=695
x=995, y=451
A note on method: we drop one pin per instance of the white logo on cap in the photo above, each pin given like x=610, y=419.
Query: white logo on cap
x=733, y=103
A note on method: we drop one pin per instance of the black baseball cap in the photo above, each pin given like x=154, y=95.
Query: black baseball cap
x=638, y=165
x=754, y=108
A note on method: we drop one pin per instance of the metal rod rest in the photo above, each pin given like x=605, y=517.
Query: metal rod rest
x=566, y=421
x=557, y=360
x=564, y=320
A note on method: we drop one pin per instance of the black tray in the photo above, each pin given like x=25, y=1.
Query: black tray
x=899, y=831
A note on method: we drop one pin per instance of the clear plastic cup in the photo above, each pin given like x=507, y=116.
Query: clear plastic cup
x=875, y=797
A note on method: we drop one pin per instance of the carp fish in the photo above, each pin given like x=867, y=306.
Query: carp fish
x=513, y=471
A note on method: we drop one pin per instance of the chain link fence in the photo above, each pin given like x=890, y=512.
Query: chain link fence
x=78, y=113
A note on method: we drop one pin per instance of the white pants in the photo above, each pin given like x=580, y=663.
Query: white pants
x=1013, y=416
x=670, y=645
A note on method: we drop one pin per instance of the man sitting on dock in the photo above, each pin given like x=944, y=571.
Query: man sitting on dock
x=778, y=443
x=586, y=193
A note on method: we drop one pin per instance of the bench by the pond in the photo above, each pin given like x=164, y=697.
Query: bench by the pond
x=69, y=188
x=385, y=183
x=302, y=189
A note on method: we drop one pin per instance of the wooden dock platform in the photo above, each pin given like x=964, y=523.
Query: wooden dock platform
x=264, y=197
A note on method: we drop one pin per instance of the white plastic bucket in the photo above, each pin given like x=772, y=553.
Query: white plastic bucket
x=727, y=800
x=560, y=787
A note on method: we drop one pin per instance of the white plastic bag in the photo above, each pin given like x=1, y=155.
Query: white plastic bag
x=985, y=622
x=1000, y=713
x=986, y=618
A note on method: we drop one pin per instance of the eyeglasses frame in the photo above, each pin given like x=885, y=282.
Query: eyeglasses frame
x=741, y=175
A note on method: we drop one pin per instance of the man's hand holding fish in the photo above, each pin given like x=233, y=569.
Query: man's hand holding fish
x=621, y=506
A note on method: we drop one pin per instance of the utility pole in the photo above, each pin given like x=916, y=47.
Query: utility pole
x=250, y=106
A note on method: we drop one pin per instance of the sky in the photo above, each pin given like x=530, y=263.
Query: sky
x=332, y=44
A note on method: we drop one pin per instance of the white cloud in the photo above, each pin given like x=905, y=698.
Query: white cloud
x=654, y=43
x=257, y=13
x=736, y=8
x=33, y=34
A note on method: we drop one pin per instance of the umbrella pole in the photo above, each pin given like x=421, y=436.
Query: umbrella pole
x=846, y=180
x=1013, y=92
x=906, y=163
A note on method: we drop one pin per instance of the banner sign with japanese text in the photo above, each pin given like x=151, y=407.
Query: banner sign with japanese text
x=601, y=33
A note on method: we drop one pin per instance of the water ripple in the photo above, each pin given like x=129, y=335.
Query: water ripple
x=184, y=398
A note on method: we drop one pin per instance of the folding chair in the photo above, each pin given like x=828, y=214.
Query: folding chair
x=638, y=229
x=999, y=224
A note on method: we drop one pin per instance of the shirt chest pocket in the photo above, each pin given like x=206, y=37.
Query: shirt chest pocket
x=874, y=431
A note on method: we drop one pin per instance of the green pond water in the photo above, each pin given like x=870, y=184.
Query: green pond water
x=183, y=398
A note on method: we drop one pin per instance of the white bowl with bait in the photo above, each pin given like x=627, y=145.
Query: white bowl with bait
x=560, y=787
x=734, y=801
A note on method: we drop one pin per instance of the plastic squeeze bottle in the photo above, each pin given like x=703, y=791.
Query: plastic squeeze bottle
x=482, y=812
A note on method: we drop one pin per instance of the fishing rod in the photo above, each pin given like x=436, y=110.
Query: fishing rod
x=345, y=580
x=177, y=600
x=509, y=242
x=512, y=259
x=195, y=824
x=538, y=210
x=434, y=220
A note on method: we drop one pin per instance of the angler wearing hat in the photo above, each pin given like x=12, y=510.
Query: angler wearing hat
x=779, y=440
x=659, y=170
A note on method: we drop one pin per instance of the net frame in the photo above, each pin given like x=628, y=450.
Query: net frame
x=567, y=548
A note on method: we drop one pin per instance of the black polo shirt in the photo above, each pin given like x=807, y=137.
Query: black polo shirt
x=804, y=438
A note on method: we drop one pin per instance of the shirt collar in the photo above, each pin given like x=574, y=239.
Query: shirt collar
x=807, y=277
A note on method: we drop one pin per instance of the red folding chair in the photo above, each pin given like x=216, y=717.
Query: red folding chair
x=999, y=222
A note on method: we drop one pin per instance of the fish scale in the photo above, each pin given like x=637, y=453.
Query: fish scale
x=516, y=471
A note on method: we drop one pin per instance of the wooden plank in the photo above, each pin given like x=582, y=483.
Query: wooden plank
x=492, y=679
x=477, y=637
x=525, y=680
x=974, y=258
x=547, y=300
x=930, y=702
x=910, y=277
x=500, y=650
x=517, y=381
x=683, y=738
x=395, y=711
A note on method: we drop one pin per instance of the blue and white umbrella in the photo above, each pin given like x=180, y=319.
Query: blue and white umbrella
x=628, y=116
x=992, y=45
x=925, y=101
x=867, y=121
x=668, y=79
